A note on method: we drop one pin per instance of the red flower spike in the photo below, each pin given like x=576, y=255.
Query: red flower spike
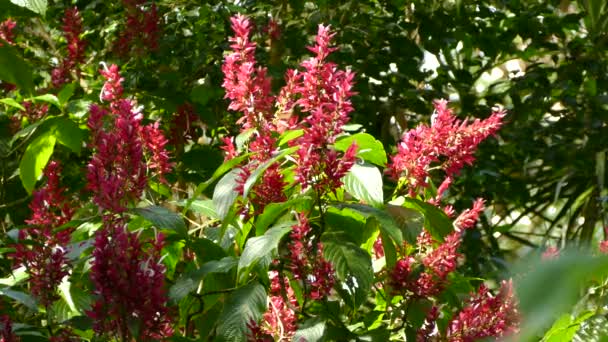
x=468, y=218
x=142, y=28
x=129, y=284
x=449, y=142
x=307, y=262
x=46, y=260
x=280, y=321
x=486, y=316
x=117, y=172
x=428, y=332
x=72, y=29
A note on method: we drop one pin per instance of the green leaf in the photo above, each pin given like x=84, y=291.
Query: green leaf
x=436, y=223
x=243, y=138
x=368, y=148
x=541, y=305
x=66, y=93
x=225, y=193
x=261, y=247
x=311, y=330
x=48, y=98
x=12, y=102
x=190, y=281
x=364, y=182
x=163, y=218
x=225, y=167
x=67, y=133
x=259, y=171
x=288, y=136
x=353, y=266
x=243, y=305
x=36, y=6
x=273, y=211
x=17, y=275
x=13, y=69
x=204, y=207
x=35, y=158
x=565, y=327
x=387, y=223
x=20, y=297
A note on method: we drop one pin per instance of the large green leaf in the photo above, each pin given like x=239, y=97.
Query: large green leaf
x=245, y=304
x=261, y=247
x=9, y=101
x=225, y=193
x=396, y=223
x=35, y=158
x=565, y=327
x=364, y=182
x=14, y=69
x=311, y=330
x=36, y=6
x=67, y=133
x=20, y=297
x=436, y=223
x=368, y=148
x=273, y=211
x=353, y=266
x=163, y=218
x=190, y=281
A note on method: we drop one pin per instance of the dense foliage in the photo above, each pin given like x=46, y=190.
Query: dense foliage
x=307, y=171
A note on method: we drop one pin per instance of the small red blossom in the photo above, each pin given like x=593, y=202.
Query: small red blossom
x=154, y=144
x=468, y=218
x=6, y=31
x=550, y=253
x=486, y=316
x=429, y=331
x=33, y=111
x=307, y=262
x=448, y=143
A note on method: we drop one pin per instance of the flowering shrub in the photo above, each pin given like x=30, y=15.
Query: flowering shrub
x=306, y=228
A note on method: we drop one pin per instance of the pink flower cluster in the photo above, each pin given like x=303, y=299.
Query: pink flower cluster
x=307, y=262
x=448, y=144
x=486, y=316
x=438, y=262
x=248, y=89
x=142, y=28
x=128, y=280
x=117, y=172
x=323, y=91
x=6, y=31
x=45, y=259
x=280, y=321
x=72, y=29
x=34, y=112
